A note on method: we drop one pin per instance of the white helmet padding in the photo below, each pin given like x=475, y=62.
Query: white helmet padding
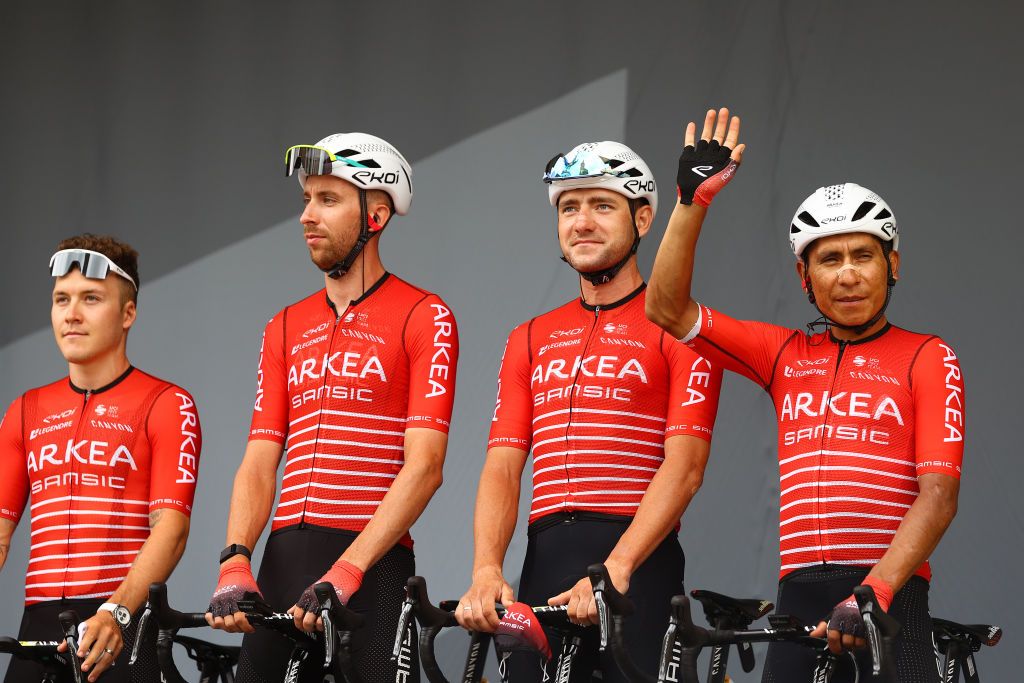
x=842, y=209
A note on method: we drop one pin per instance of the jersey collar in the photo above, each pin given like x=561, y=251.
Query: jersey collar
x=865, y=340
x=366, y=295
x=113, y=384
x=621, y=302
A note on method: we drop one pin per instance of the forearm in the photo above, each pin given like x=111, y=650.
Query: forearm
x=252, y=497
x=669, y=304
x=666, y=499
x=157, y=558
x=497, y=507
x=6, y=533
x=920, y=531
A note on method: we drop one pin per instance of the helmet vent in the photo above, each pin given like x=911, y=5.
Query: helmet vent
x=808, y=219
x=370, y=163
x=884, y=213
x=346, y=153
x=834, y=192
x=793, y=229
x=862, y=210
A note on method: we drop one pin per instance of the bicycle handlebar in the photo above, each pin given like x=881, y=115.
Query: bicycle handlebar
x=339, y=623
x=612, y=609
x=69, y=625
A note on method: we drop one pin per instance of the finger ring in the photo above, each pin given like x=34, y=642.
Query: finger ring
x=467, y=608
x=108, y=651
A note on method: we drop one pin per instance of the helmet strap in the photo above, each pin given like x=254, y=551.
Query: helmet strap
x=368, y=227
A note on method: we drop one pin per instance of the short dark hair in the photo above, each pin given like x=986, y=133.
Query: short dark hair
x=121, y=253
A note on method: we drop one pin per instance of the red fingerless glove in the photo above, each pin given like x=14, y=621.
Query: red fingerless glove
x=234, y=582
x=883, y=591
x=346, y=579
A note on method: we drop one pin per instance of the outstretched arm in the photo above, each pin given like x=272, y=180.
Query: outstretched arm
x=705, y=167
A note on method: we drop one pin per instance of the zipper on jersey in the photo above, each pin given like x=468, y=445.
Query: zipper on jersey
x=323, y=399
x=71, y=486
x=572, y=395
x=821, y=454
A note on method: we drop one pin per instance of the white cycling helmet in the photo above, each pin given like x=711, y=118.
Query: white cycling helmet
x=366, y=161
x=841, y=209
x=606, y=164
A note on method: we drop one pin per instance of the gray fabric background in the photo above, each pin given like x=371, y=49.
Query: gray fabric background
x=165, y=123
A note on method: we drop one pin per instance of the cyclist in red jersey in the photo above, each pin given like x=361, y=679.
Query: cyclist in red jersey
x=617, y=414
x=871, y=416
x=355, y=387
x=107, y=458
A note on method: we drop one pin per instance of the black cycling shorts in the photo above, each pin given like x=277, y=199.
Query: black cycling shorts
x=560, y=547
x=809, y=594
x=39, y=622
x=296, y=558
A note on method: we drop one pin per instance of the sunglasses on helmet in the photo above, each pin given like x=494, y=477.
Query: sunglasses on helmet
x=314, y=160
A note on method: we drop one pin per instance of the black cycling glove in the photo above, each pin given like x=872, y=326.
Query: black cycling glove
x=704, y=169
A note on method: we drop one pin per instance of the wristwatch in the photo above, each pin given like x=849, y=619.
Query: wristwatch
x=235, y=549
x=122, y=615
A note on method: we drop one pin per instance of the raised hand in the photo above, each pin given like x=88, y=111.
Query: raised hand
x=707, y=165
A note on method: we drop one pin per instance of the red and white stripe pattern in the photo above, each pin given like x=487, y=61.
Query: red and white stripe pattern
x=841, y=507
x=603, y=460
x=82, y=547
x=339, y=466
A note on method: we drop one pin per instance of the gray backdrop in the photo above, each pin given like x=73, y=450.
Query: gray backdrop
x=165, y=123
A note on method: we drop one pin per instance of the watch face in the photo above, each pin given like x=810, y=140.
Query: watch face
x=122, y=615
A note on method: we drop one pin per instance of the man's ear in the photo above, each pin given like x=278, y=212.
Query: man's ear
x=128, y=312
x=894, y=264
x=379, y=212
x=644, y=217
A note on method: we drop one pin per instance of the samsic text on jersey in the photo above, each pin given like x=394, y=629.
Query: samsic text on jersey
x=595, y=392
x=94, y=465
x=338, y=390
x=858, y=423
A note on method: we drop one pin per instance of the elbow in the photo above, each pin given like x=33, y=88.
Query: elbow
x=694, y=480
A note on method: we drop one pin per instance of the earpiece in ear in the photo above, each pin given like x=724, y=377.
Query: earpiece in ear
x=374, y=223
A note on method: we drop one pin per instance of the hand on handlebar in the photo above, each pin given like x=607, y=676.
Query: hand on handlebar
x=346, y=579
x=845, y=627
x=235, y=581
x=475, y=611
x=100, y=644
x=582, y=608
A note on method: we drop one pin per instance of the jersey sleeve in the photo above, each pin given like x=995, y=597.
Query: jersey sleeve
x=694, y=387
x=432, y=343
x=511, y=424
x=745, y=347
x=270, y=410
x=939, y=413
x=14, y=483
x=176, y=440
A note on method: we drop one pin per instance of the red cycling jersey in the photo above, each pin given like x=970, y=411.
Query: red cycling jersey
x=595, y=391
x=858, y=423
x=95, y=465
x=339, y=391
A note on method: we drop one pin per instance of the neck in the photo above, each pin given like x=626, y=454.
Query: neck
x=623, y=284
x=850, y=335
x=366, y=270
x=99, y=372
